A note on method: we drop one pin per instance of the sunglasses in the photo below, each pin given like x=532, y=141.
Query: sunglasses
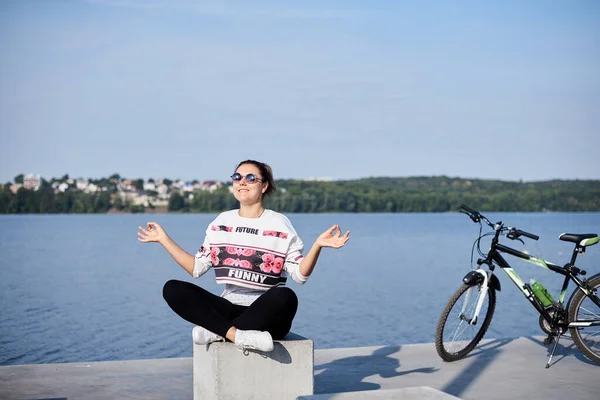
x=250, y=178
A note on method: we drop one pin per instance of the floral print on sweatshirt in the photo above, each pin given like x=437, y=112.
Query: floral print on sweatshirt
x=247, y=258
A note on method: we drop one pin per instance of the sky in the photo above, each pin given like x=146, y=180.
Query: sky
x=316, y=89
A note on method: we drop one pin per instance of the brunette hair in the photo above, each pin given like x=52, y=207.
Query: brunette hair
x=265, y=171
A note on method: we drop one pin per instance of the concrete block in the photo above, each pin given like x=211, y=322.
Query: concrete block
x=409, y=393
x=223, y=372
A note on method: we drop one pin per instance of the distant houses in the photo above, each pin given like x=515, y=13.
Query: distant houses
x=60, y=186
x=136, y=192
x=32, y=181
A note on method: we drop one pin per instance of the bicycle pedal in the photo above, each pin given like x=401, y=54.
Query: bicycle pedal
x=548, y=340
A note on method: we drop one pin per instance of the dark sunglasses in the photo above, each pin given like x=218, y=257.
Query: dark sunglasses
x=250, y=178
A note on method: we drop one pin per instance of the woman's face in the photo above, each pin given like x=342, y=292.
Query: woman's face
x=249, y=193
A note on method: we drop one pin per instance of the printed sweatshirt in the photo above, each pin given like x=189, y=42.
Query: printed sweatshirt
x=250, y=255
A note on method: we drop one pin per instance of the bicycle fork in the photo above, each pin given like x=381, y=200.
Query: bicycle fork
x=472, y=279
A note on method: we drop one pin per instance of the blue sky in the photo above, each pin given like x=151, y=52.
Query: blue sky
x=339, y=89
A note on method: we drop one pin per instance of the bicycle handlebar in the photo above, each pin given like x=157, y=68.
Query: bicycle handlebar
x=527, y=234
x=513, y=232
x=469, y=210
x=474, y=215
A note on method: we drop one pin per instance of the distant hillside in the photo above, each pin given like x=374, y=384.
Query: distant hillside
x=438, y=194
x=378, y=194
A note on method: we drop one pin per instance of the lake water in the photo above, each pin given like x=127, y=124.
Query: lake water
x=82, y=288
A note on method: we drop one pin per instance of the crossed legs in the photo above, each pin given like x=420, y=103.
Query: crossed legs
x=272, y=312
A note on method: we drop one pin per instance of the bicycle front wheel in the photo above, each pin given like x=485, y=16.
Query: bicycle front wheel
x=457, y=332
x=582, y=309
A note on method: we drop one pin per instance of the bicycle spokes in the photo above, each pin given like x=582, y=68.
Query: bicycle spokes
x=590, y=335
x=458, y=331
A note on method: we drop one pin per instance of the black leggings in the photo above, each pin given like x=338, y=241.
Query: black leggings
x=273, y=311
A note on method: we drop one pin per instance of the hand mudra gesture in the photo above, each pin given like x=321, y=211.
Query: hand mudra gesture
x=152, y=233
x=333, y=237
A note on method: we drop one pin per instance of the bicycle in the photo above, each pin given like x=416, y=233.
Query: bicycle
x=460, y=327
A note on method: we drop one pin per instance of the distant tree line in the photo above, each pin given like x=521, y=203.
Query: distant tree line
x=416, y=194
x=45, y=201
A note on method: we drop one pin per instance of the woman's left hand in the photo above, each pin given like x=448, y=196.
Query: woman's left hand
x=333, y=237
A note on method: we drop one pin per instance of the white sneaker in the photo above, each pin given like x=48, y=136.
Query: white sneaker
x=254, y=340
x=204, y=336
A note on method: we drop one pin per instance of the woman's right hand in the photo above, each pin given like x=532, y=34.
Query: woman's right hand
x=153, y=233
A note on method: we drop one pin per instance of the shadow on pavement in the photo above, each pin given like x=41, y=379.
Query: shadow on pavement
x=566, y=347
x=482, y=356
x=347, y=374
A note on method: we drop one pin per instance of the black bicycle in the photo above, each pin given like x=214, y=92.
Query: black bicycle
x=469, y=312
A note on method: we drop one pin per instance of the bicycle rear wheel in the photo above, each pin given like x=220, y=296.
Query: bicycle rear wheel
x=587, y=339
x=455, y=337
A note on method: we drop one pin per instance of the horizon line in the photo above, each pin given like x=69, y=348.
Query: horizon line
x=315, y=179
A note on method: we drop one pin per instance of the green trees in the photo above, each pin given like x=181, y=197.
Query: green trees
x=434, y=194
x=418, y=194
x=176, y=202
x=5, y=198
x=45, y=201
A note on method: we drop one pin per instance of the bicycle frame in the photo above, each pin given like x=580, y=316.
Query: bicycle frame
x=495, y=258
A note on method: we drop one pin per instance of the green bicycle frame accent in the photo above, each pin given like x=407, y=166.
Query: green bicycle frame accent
x=545, y=264
x=499, y=260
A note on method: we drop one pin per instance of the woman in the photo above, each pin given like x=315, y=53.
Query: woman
x=252, y=251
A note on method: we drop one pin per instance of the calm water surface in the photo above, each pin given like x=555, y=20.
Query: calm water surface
x=82, y=288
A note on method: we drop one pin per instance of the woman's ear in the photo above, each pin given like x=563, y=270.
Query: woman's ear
x=264, y=189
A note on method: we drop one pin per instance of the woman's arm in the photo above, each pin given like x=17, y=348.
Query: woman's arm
x=326, y=239
x=155, y=233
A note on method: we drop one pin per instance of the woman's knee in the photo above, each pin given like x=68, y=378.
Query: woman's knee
x=286, y=297
x=171, y=288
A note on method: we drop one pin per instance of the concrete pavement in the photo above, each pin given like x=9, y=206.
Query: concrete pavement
x=497, y=369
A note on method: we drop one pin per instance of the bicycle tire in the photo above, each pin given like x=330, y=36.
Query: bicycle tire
x=588, y=345
x=452, y=349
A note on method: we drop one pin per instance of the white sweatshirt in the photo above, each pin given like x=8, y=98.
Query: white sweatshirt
x=250, y=255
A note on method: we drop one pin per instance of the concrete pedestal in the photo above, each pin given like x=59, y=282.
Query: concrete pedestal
x=222, y=371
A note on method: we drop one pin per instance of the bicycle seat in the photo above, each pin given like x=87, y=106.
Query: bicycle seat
x=583, y=239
